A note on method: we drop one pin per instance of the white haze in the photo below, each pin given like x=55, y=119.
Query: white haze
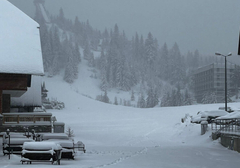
x=127, y=137
x=208, y=26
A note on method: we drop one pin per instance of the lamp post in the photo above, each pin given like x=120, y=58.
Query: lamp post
x=225, y=56
x=33, y=134
x=8, y=134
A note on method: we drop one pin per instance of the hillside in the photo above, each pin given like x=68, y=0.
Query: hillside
x=119, y=136
x=127, y=137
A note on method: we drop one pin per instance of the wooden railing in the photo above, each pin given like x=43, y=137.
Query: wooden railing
x=27, y=118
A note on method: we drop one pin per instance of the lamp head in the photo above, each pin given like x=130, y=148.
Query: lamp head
x=8, y=131
x=229, y=54
x=217, y=53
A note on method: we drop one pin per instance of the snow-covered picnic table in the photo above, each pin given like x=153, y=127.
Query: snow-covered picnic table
x=16, y=143
x=41, y=152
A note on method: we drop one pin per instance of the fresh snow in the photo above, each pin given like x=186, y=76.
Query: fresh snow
x=20, y=47
x=38, y=146
x=127, y=137
x=32, y=97
x=232, y=115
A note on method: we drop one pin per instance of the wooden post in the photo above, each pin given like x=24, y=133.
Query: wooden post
x=0, y=101
x=239, y=45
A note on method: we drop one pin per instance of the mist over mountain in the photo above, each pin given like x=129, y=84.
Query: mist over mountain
x=208, y=26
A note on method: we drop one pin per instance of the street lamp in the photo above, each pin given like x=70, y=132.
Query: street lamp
x=225, y=56
x=8, y=134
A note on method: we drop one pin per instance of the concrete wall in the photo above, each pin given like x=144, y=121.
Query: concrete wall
x=231, y=141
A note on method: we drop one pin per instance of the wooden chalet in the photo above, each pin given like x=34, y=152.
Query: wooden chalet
x=20, y=60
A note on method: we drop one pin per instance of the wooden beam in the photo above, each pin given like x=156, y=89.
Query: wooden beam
x=14, y=81
x=0, y=101
x=239, y=45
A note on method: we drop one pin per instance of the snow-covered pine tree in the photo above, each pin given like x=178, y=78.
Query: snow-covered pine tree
x=56, y=51
x=187, y=98
x=103, y=85
x=179, y=97
x=150, y=50
x=115, y=101
x=86, y=51
x=76, y=53
x=91, y=61
x=105, y=97
x=150, y=98
x=165, y=101
x=164, y=63
x=132, y=96
x=69, y=74
x=141, y=101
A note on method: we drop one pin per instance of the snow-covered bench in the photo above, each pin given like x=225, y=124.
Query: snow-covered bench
x=80, y=146
x=41, y=152
x=67, y=147
x=16, y=143
x=67, y=143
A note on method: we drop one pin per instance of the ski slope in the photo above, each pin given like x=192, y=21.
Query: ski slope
x=127, y=137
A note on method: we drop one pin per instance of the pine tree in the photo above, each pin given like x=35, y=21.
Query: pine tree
x=86, y=51
x=187, y=98
x=165, y=101
x=179, y=97
x=132, y=96
x=69, y=74
x=141, y=101
x=76, y=53
x=164, y=63
x=177, y=66
x=91, y=61
x=115, y=101
x=103, y=85
x=105, y=97
x=150, y=50
x=150, y=98
x=61, y=19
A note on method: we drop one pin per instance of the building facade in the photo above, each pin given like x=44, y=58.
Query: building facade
x=210, y=80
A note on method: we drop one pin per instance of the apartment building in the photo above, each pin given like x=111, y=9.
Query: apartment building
x=210, y=79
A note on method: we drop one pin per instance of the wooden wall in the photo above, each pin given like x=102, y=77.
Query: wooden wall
x=12, y=82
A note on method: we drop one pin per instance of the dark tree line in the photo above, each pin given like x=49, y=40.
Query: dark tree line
x=123, y=63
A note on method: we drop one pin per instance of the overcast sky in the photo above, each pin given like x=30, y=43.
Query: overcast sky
x=206, y=25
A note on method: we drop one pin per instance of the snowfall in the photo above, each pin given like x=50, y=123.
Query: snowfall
x=126, y=137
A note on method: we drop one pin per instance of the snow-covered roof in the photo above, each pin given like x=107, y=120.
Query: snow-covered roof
x=232, y=115
x=20, y=48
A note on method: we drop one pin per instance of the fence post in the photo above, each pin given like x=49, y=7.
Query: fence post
x=204, y=126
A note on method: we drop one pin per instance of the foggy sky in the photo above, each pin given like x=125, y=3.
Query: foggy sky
x=206, y=25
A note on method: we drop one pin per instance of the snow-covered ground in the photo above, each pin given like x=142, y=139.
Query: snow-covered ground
x=127, y=137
